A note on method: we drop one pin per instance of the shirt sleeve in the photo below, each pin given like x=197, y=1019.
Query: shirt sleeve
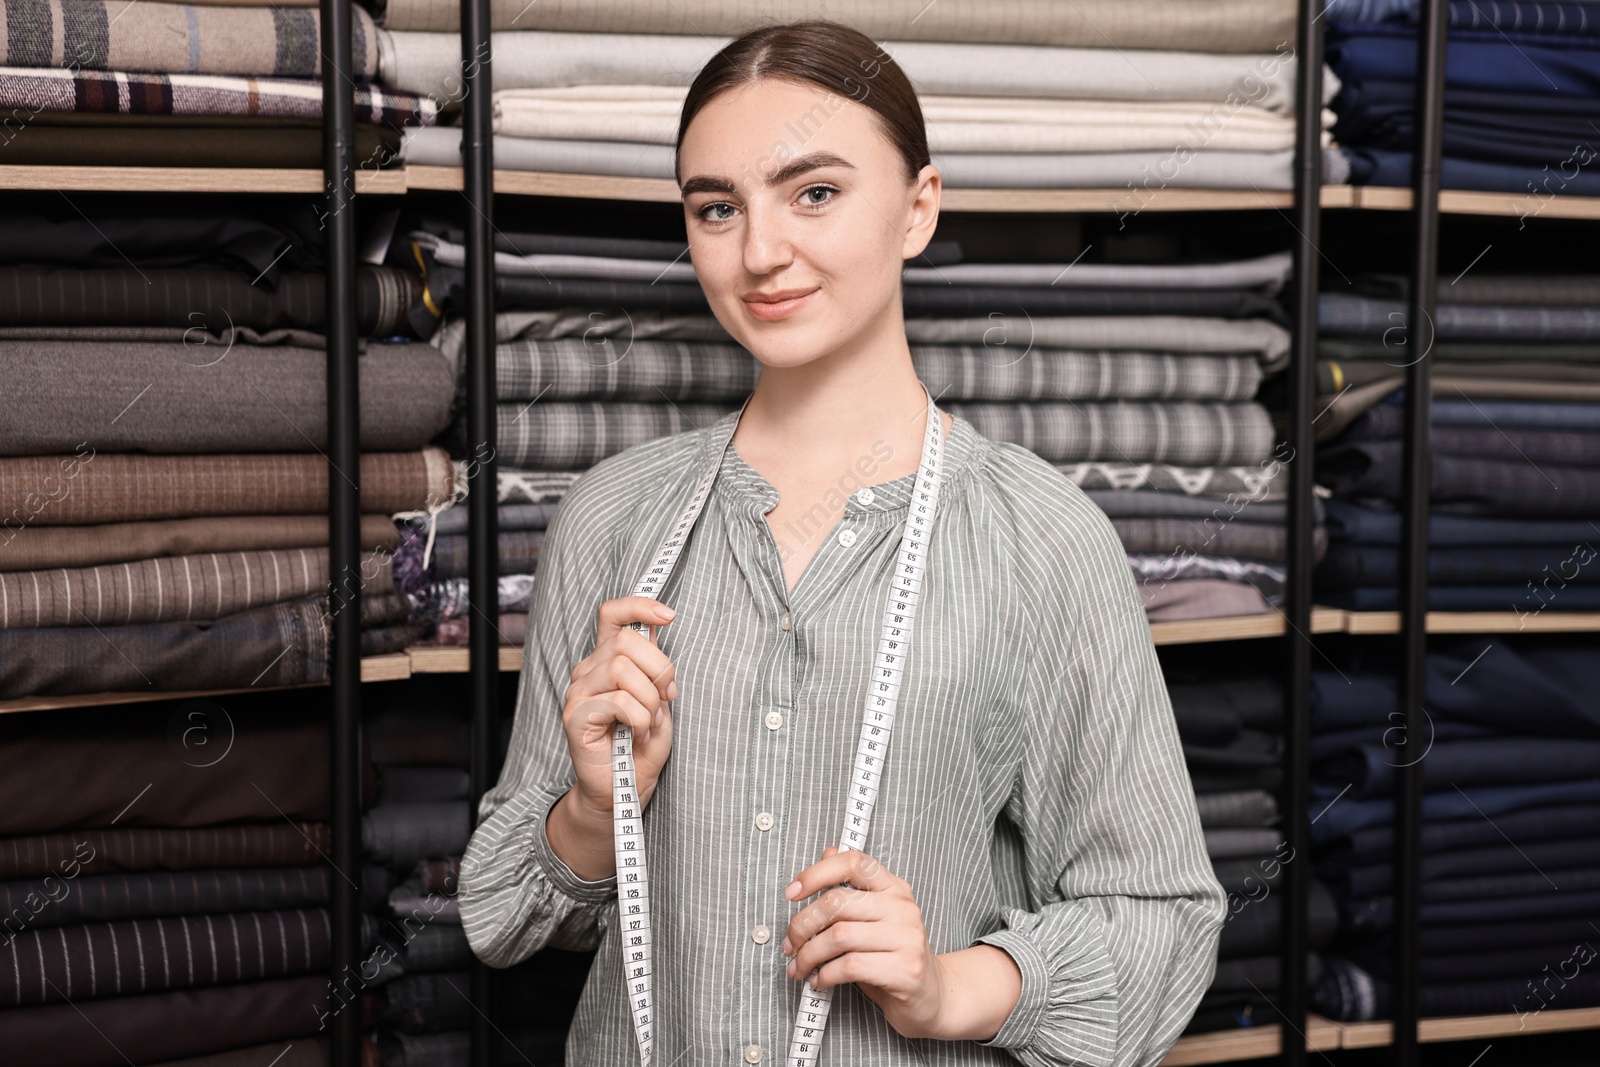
x=516, y=896
x=1120, y=942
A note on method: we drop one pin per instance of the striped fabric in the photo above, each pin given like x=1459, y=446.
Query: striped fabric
x=173, y=952
x=176, y=588
x=1036, y=796
x=140, y=848
x=87, y=487
x=151, y=894
x=31, y=89
x=577, y=434
x=175, y=38
x=571, y=368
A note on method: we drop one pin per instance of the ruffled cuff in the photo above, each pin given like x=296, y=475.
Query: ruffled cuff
x=557, y=873
x=1067, y=1011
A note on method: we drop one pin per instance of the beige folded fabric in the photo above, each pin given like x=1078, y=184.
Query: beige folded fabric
x=35, y=548
x=90, y=487
x=177, y=588
x=1186, y=25
x=649, y=114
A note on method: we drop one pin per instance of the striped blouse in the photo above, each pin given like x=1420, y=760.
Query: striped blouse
x=1035, y=796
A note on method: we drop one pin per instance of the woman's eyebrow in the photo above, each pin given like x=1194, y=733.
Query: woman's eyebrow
x=705, y=183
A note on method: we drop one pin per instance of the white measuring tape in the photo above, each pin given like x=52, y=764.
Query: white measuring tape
x=877, y=724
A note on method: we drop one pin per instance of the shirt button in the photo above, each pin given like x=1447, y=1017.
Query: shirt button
x=865, y=495
x=761, y=935
x=774, y=719
x=764, y=821
x=753, y=1053
x=783, y=623
x=847, y=537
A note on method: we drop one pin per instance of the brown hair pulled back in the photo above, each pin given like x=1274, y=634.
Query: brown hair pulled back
x=830, y=55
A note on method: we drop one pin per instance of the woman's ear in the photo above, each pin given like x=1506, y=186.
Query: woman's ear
x=922, y=211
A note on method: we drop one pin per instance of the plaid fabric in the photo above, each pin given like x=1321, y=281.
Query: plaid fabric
x=26, y=89
x=175, y=588
x=89, y=488
x=569, y=435
x=517, y=553
x=571, y=368
x=138, y=848
x=278, y=645
x=172, y=952
x=175, y=38
x=1216, y=26
x=147, y=894
x=448, y=599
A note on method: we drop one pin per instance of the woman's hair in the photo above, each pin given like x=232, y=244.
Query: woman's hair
x=830, y=55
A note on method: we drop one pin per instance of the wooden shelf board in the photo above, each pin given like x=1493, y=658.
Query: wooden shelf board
x=1468, y=202
x=1240, y=627
x=1477, y=622
x=1257, y=1042
x=1471, y=1027
x=441, y=659
x=387, y=668
x=191, y=179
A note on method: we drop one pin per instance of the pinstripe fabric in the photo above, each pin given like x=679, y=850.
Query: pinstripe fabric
x=647, y=370
x=139, y=848
x=151, y=894
x=1036, y=797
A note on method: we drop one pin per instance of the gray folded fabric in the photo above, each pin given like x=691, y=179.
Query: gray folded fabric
x=180, y=397
x=1253, y=540
x=1236, y=842
x=1347, y=313
x=398, y=835
x=1146, y=503
x=1266, y=341
x=419, y=785
x=1153, y=569
x=430, y=64
x=1200, y=598
x=1217, y=26
x=571, y=368
x=408, y=902
x=1240, y=807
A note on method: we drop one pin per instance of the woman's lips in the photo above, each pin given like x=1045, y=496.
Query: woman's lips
x=778, y=309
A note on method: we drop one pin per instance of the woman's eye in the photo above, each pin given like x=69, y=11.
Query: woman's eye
x=708, y=212
x=808, y=200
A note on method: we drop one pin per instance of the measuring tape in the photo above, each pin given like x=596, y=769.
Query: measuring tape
x=877, y=725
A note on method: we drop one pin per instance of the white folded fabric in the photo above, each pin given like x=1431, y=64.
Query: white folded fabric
x=429, y=63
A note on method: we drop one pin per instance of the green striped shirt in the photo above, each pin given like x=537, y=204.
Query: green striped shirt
x=1035, y=796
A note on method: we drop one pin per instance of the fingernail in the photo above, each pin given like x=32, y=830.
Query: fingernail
x=672, y=690
x=789, y=968
x=793, y=891
x=667, y=612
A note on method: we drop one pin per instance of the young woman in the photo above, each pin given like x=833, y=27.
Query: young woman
x=1034, y=885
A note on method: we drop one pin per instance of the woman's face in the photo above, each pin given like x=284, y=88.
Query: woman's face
x=799, y=218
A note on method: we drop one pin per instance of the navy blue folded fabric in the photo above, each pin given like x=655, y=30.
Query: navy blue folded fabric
x=1570, y=174
x=1341, y=816
x=1373, y=844
x=1543, y=686
x=1525, y=414
x=1563, y=447
x=1522, y=961
x=1374, y=115
x=1361, y=52
x=1370, y=316
x=1570, y=18
x=1370, y=769
x=1369, y=915
x=1505, y=857
x=1349, y=993
x=1349, y=521
x=1327, y=744
x=1349, y=564
x=1514, y=598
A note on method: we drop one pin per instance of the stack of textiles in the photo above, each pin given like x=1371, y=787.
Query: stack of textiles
x=1137, y=382
x=1135, y=94
x=1510, y=765
x=1231, y=728
x=165, y=884
x=1522, y=81
x=1515, y=439
x=163, y=476
x=413, y=838
x=103, y=82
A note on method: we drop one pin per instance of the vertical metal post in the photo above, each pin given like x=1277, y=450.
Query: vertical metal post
x=1414, y=492
x=477, y=158
x=1295, y=945
x=344, y=524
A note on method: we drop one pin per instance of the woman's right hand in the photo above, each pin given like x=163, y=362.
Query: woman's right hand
x=627, y=678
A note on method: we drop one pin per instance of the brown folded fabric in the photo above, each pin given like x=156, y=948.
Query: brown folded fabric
x=132, y=956
x=89, y=488
x=185, y=763
x=114, y=1031
x=176, y=588
x=279, y=843
x=37, y=548
x=1200, y=598
x=219, y=144
x=306, y=1052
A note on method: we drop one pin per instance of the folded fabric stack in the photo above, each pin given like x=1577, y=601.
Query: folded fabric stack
x=165, y=885
x=1140, y=94
x=166, y=529
x=1231, y=730
x=100, y=83
x=1137, y=382
x=1522, y=81
x=1510, y=763
x=1515, y=439
x=413, y=839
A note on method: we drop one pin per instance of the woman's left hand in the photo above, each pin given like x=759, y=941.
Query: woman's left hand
x=868, y=930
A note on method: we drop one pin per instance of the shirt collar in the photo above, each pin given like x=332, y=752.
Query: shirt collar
x=742, y=483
